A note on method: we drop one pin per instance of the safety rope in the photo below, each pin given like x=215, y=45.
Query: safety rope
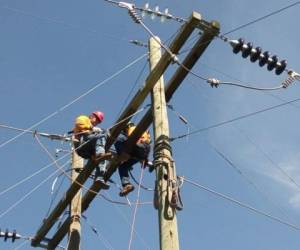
x=136, y=207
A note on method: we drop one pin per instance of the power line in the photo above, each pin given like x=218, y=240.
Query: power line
x=71, y=26
x=241, y=204
x=133, y=87
x=234, y=119
x=27, y=195
x=60, y=168
x=241, y=173
x=25, y=179
x=213, y=82
x=76, y=99
x=234, y=166
x=105, y=242
x=261, y=18
x=273, y=163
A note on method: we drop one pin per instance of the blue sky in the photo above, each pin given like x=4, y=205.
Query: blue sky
x=55, y=51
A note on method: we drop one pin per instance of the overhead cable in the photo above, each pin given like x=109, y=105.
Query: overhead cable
x=25, y=179
x=251, y=182
x=241, y=204
x=261, y=18
x=103, y=240
x=50, y=136
x=70, y=26
x=75, y=100
x=81, y=185
x=234, y=119
x=213, y=82
x=27, y=195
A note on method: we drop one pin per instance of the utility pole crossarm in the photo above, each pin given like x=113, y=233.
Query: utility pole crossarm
x=95, y=188
x=154, y=75
x=63, y=203
x=180, y=74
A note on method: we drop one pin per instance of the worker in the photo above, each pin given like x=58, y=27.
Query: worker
x=139, y=153
x=90, y=141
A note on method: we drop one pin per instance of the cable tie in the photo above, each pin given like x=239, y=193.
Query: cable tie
x=213, y=82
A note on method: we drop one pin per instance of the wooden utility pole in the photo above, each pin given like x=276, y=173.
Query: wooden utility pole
x=165, y=169
x=169, y=240
x=75, y=208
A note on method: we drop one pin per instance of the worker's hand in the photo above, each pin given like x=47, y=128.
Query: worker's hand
x=97, y=130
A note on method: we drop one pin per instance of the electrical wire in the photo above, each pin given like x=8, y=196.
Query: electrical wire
x=25, y=179
x=75, y=100
x=81, y=185
x=234, y=166
x=214, y=83
x=53, y=196
x=27, y=195
x=132, y=88
x=22, y=244
x=71, y=26
x=238, y=80
x=248, y=180
x=273, y=163
x=261, y=18
x=234, y=119
x=140, y=74
x=103, y=240
x=241, y=204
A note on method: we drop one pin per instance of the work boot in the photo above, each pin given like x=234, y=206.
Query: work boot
x=104, y=185
x=126, y=189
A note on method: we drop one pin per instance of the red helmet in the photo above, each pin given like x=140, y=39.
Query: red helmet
x=99, y=115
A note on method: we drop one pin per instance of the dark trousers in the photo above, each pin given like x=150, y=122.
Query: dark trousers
x=139, y=152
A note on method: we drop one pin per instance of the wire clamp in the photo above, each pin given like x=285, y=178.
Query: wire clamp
x=213, y=82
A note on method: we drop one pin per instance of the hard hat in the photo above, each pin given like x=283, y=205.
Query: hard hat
x=99, y=115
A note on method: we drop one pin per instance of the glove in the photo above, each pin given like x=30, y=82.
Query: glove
x=97, y=130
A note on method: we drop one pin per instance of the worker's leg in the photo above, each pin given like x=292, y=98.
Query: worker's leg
x=119, y=143
x=101, y=168
x=101, y=150
x=141, y=151
x=124, y=169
